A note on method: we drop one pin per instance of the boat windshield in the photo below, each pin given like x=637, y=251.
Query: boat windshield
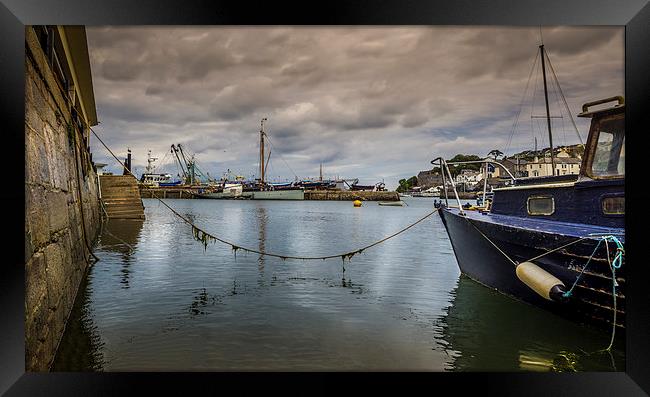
x=609, y=156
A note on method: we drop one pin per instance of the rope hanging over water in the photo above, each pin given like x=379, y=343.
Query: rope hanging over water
x=614, y=264
x=203, y=236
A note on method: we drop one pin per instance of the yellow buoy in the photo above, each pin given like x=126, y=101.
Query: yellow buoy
x=357, y=203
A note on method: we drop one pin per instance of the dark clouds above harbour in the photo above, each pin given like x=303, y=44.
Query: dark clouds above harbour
x=373, y=103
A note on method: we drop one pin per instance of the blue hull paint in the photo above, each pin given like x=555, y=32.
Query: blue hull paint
x=524, y=238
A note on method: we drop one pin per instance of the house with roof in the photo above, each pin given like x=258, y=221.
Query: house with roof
x=564, y=165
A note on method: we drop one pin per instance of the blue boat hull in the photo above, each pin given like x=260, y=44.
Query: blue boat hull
x=478, y=258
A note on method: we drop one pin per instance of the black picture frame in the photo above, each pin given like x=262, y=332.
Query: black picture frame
x=15, y=14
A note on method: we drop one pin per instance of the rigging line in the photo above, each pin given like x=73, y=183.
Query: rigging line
x=491, y=242
x=280, y=154
x=532, y=103
x=521, y=104
x=236, y=247
x=566, y=105
x=533, y=258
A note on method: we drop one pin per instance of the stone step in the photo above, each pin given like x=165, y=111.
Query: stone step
x=123, y=186
x=128, y=216
x=124, y=204
x=118, y=183
x=112, y=212
x=121, y=197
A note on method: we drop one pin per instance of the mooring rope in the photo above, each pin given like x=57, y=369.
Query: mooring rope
x=613, y=264
x=202, y=235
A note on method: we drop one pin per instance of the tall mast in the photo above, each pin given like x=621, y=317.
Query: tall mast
x=262, y=151
x=548, y=116
x=321, y=172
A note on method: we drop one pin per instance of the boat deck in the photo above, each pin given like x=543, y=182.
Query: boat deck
x=541, y=225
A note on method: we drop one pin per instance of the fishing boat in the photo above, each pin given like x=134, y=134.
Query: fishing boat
x=152, y=179
x=377, y=187
x=556, y=242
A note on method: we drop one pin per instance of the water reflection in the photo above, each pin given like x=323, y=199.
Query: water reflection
x=121, y=236
x=188, y=308
x=484, y=331
x=262, y=217
x=81, y=346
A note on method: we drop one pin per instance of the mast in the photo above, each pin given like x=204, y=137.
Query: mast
x=321, y=172
x=150, y=168
x=175, y=151
x=548, y=116
x=262, y=152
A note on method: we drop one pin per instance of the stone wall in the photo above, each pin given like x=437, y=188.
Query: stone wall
x=429, y=178
x=56, y=257
x=348, y=195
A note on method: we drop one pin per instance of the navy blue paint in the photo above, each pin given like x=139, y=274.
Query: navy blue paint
x=522, y=239
x=580, y=203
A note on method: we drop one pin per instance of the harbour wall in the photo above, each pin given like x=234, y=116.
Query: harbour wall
x=336, y=195
x=62, y=208
x=349, y=195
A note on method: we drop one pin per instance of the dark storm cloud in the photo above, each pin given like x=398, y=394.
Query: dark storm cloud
x=373, y=103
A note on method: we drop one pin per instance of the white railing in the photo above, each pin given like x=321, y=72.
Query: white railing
x=444, y=166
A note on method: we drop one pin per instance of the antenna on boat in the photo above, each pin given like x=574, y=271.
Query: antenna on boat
x=548, y=115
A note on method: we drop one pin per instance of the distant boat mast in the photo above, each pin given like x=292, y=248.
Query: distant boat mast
x=548, y=115
x=262, y=168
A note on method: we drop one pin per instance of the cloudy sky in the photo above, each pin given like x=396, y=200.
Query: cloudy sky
x=368, y=102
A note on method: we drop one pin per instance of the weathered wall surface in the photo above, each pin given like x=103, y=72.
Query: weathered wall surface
x=55, y=251
x=349, y=195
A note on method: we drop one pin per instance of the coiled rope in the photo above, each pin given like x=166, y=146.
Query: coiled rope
x=203, y=236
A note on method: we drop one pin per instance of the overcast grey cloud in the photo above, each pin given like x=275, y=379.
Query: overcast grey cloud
x=368, y=102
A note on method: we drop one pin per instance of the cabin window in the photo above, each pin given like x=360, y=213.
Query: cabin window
x=614, y=205
x=541, y=205
x=609, y=154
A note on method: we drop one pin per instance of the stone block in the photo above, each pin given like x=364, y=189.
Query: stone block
x=32, y=117
x=55, y=274
x=52, y=155
x=35, y=283
x=57, y=210
x=37, y=221
x=36, y=167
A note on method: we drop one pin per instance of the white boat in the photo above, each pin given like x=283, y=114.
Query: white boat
x=152, y=179
x=431, y=192
x=392, y=203
x=233, y=189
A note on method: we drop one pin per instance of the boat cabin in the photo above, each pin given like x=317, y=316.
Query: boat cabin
x=155, y=179
x=596, y=196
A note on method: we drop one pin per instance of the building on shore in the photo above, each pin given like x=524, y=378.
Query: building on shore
x=516, y=166
x=62, y=208
x=564, y=165
x=430, y=178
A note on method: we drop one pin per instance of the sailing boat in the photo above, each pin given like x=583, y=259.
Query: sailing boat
x=267, y=191
x=556, y=242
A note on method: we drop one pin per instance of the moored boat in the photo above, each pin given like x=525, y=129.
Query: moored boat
x=391, y=203
x=555, y=242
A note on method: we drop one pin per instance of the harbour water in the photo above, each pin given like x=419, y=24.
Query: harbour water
x=159, y=301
